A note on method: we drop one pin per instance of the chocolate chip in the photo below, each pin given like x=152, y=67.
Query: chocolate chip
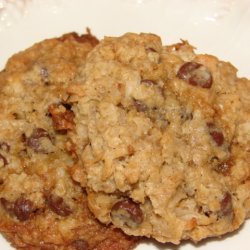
x=23, y=209
x=185, y=71
x=217, y=137
x=216, y=134
x=58, y=206
x=127, y=212
x=34, y=140
x=195, y=74
x=80, y=245
x=226, y=205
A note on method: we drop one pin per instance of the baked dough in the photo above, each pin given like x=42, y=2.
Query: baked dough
x=41, y=207
x=164, y=137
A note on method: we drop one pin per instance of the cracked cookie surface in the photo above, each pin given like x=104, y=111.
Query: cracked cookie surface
x=164, y=136
x=41, y=207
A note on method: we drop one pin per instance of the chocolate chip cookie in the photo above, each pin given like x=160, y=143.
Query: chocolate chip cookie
x=164, y=136
x=41, y=207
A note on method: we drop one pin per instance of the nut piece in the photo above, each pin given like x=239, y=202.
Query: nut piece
x=63, y=119
x=195, y=74
x=58, y=206
x=127, y=212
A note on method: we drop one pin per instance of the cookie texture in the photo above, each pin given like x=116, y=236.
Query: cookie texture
x=164, y=136
x=41, y=207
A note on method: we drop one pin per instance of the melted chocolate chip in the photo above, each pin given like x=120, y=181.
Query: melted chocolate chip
x=58, y=206
x=195, y=74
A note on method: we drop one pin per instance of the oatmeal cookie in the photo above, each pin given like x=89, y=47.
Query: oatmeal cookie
x=41, y=207
x=165, y=139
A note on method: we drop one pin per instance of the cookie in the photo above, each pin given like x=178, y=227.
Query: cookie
x=41, y=207
x=164, y=136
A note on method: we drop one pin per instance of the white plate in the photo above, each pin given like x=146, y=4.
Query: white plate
x=219, y=27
